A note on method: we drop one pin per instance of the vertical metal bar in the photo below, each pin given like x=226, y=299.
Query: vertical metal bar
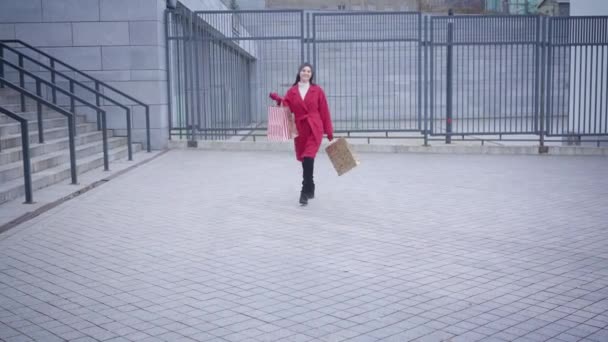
x=54, y=90
x=129, y=137
x=542, y=84
x=1, y=64
x=212, y=89
x=492, y=118
x=578, y=76
x=183, y=79
x=22, y=83
x=307, y=36
x=596, y=88
x=72, y=133
x=148, y=140
x=375, y=72
x=486, y=75
x=104, y=136
x=302, y=36
x=449, y=76
x=73, y=106
x=197, y=83
x=537, y=79
x=509, y=114
x=580, y=87
x=584, y=99
x=178, y=54
x=396, y=61
x=188, y=75
x=425, y=68
x=223, y=89
x=522, y=75
x=98, y=103
x=549, y=97
x=314, y=41
x=39, y=113
x=27, y=169
x=566, y=97
x=420, y=48
x=169, y=62
x=603, y=100
x=500, y=79
x=468, y=114
x=431, y=85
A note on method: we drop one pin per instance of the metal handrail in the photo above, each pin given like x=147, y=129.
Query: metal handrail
x=72, y=97
x=25, y=143
x=98, y=83
x=98, y=95
x=58, y=109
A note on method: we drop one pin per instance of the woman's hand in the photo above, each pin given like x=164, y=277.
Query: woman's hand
x=330, y=137
x=277, y=98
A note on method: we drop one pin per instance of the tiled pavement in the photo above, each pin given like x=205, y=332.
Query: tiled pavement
x=212, y=246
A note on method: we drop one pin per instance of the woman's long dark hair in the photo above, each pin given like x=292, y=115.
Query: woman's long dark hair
x=312, y=73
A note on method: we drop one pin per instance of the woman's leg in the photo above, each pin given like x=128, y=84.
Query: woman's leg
x=309, y=168
x=308, y=185
x=303, y=192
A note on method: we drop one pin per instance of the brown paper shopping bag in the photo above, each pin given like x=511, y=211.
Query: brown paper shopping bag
x=341, y=155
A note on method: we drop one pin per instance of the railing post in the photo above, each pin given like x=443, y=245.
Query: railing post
x=22, y=83
x=448, y=106
x=27, y=170
x=71, y=132
x=148, y=128
x=169, y=63
x=97, y=103
x=39, y=113
x=542, y=100
x=425, y=45
x=129, y=147
x=1, y=66
x=53, y=91
x=73, y=105
x=104, y=135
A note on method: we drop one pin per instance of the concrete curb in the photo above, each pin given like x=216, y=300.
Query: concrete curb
x=370, y=148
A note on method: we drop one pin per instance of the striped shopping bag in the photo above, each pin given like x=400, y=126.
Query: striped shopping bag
x=281, y=126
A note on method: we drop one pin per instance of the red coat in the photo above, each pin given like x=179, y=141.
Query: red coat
x=312, y=119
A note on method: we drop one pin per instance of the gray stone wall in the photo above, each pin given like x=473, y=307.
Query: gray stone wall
x=121, y=42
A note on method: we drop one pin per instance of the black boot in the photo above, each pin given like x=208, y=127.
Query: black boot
x=303, y=198
x=308, y=184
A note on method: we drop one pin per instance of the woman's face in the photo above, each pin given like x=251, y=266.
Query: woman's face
x=305, y=74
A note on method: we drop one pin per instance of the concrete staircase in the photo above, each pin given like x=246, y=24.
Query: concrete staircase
x=50, y=161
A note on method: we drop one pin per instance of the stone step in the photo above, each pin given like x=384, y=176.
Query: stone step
x=15, y=188
x=14, y=98
x=30, y=115
x=14, y=170
x=14, y=127
x=14, y=154
x=14, y=140
x=16, y=108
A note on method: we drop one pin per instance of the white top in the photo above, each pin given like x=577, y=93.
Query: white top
x=303, y=88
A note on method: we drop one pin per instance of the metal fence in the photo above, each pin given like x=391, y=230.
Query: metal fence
x=501, y=77
x=577, y=54
x=485, y=75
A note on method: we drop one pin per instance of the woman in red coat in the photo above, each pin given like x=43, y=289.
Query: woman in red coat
x=308, y=103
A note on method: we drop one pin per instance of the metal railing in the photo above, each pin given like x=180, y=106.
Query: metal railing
x=25, y=143
x=100, y=86
x=71, y=121
x=474, y=77
x=98, y=96
x=73, y=98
